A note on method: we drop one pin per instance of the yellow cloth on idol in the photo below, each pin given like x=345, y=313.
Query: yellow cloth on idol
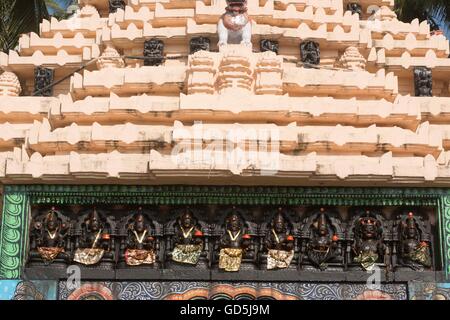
x=135, y=257
x=187, y=253
x=88, y=256
x=49, y=253
x=279, y=259
x=230, y=259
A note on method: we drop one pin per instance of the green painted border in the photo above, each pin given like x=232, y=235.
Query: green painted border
x=14, y=234
x=18, y=198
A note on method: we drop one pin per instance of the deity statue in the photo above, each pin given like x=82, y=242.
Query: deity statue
x=235, y=26
x=423, y=82
x=140, y=244
x=234, y=243
x=94, y=243
x=368, y=245
x=279, y=243
x=413, y=251
x=323, y=243
x=310, y=53
x=49, y=238
x=188, y=240
x=153, y=52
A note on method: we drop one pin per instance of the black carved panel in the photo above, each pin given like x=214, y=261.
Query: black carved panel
x=423, y=82
x=116, y=4
x=354, y=8
x=310, y=53
x=153, y=52
x=269, y=45
x=43, y=77
x=199, y=44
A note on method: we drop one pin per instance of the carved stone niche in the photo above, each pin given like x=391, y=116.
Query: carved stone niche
x=236, y=244
x=423, y=82
x=93, y=239
x=50, y=239
x=269, y=45
x=413, y=241
x=322, y=240
x=199, y=44
x=278, y=246
x=140, y=240
x=370, y=235
x=43, y=77
x=310, y=53
x=153, y=52
x=354, y=7
x=187, y=240
x=116, y=4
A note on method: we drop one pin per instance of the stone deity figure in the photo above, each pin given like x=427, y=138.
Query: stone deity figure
x=279, y=244
x=235, y=26
x=94, y=242
x=322, y=246
x=233, y=243
x=140, y=245
x=414, y=253
x=49, y=238
x=368, y=246
x=188, y=240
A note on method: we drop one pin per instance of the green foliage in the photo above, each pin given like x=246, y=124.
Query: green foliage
x=435, y=11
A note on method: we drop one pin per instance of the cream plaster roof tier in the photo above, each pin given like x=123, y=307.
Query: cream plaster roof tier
x=24, y=65
x=146, y=109
x=12, y=135
x=30, y=43
x=70, y=27
x=435, y=110
x=287, y=139
x=168, y=80
x=398, y=29
x=339, y=83
x=439, y=44
x=138, y=17
x=26, y=109
x=313, y=167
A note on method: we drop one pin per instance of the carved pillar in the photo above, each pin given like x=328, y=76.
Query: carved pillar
x=14, y=229
x=423, y=82
x=43, y=77
x=116, y=4
x=269, y=70
x=310, y=53
x=199, y=44
x=201, y=73
x=269, y=45
x=354, y=7
x=444, y=234
x=153, y=52
x=235, y=70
